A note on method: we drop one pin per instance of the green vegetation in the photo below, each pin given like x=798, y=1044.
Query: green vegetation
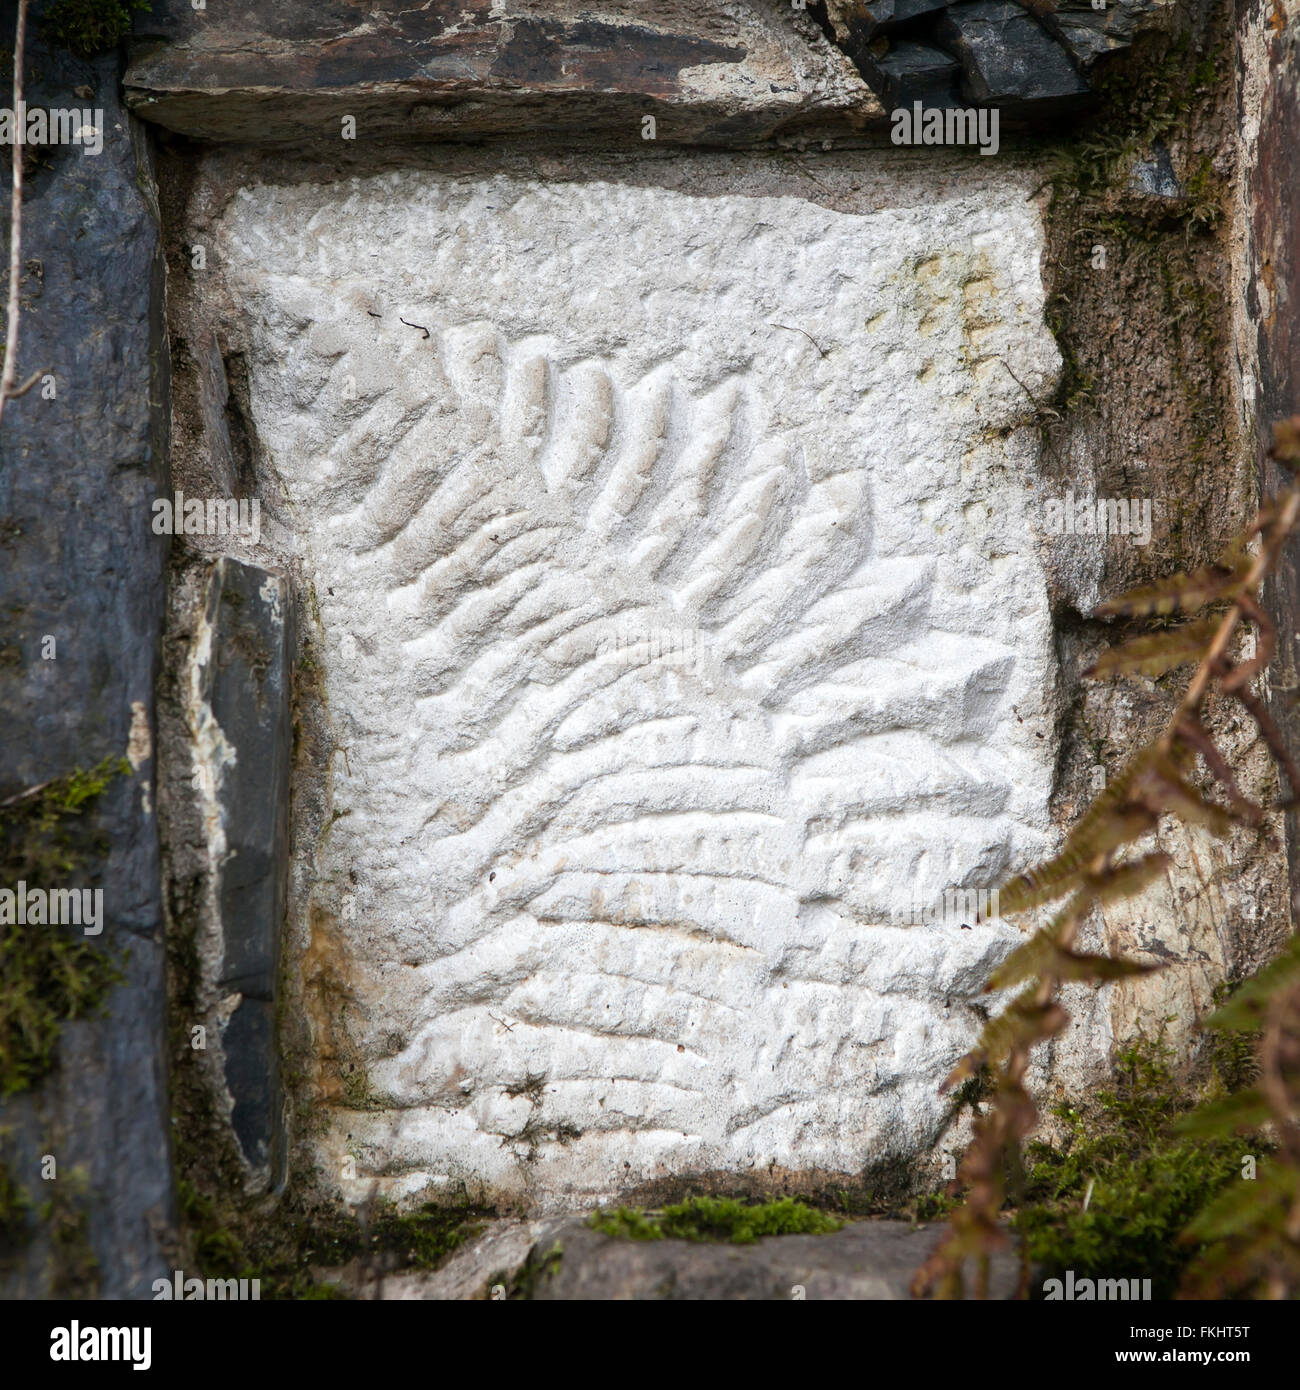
x=717, y=1219
x=287, y=1250
x=87, y=27
x=1112, y=1198
x=63, y=1215
x=47, y=977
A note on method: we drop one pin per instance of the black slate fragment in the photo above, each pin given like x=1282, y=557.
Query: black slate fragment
x=1007, y=58
x=246, y=683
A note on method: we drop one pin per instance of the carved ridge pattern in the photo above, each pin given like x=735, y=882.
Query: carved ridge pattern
x=627, y=690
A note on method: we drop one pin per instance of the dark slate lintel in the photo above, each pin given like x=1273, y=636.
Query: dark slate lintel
x=247, y=686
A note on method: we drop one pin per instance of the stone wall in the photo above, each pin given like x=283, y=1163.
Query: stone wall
x=654, y=606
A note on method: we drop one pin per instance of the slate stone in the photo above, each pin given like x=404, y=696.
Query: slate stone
x=913, y=72
x=1155, y=176
x=288, y=72
x=862, y=20
x=79, y=562
x=1007, y=58
x=1088, y=34
x=246, y=684
x=863, y=1260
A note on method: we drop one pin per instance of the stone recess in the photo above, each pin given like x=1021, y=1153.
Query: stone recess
x=240, y=712
x=684, y=627
x=79, y=563
x=711, y=71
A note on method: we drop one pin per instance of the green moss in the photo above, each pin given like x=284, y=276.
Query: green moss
x=1142, y=1182
x=284, y=1250
x=47, y=976
x=14, y=1206
x=87, y=27
x=524, y=1283
x=717, y=1219
x=75, y=1268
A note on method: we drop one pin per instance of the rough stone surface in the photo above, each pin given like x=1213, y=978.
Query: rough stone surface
x=79, y=562
x=719, y=72
x=683, y=628
x=1033, y=61
x=1007, y=59
x=1267, y=301
x=242, y=663
x=913, y=72
x=866, y=1260
x=1088, y=34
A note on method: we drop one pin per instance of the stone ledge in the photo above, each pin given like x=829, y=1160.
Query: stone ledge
x=865, y=1260
x=718, y=72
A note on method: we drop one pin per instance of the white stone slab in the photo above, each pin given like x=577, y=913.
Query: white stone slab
x=683, y=626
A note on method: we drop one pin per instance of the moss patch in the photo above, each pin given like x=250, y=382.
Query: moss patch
x=87, y=27
x=47, y=975
x=287, y=1248
x=717, y=1219
x=1141, y=1180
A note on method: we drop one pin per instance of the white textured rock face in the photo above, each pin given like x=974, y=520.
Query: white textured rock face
x=683, y=626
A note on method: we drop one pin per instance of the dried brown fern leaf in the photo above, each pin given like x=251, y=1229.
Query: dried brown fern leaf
x=1179, y=593
x=1162, y=789
x=1194, y=736
x=1156, y=653
x=1265, y=644
x=1286, y=441
x=1154, y=783
x=1272, y=736
x=1024, y=1021
x=1116, y=818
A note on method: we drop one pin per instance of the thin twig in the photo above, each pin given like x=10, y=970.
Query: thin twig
x=9, y=374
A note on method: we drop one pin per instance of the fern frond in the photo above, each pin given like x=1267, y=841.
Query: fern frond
x=1244, y=1012
x=1235, y=1114
x=1024, y=1020
x=1179, y=593
x=1193, y=734
x=1163, y=789
x=1286, y=441
x=1155, y=653
x=1245, y=1205
x=1112, y=821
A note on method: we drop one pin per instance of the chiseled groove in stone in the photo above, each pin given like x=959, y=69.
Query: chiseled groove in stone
x=621, y=581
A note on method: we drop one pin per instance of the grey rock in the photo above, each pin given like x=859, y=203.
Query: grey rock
x=79, y=562
x=1155, y=176
x=450, y=69
x=859, y=21
x=246, y=684
x=863, y=1260
x=1089, y=34
x=1008, y=60
x=913, y=72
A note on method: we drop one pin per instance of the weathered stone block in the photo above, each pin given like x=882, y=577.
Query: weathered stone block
x=456, y=68
x=911, y=72
x=684, y=628
x=865, y=1260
